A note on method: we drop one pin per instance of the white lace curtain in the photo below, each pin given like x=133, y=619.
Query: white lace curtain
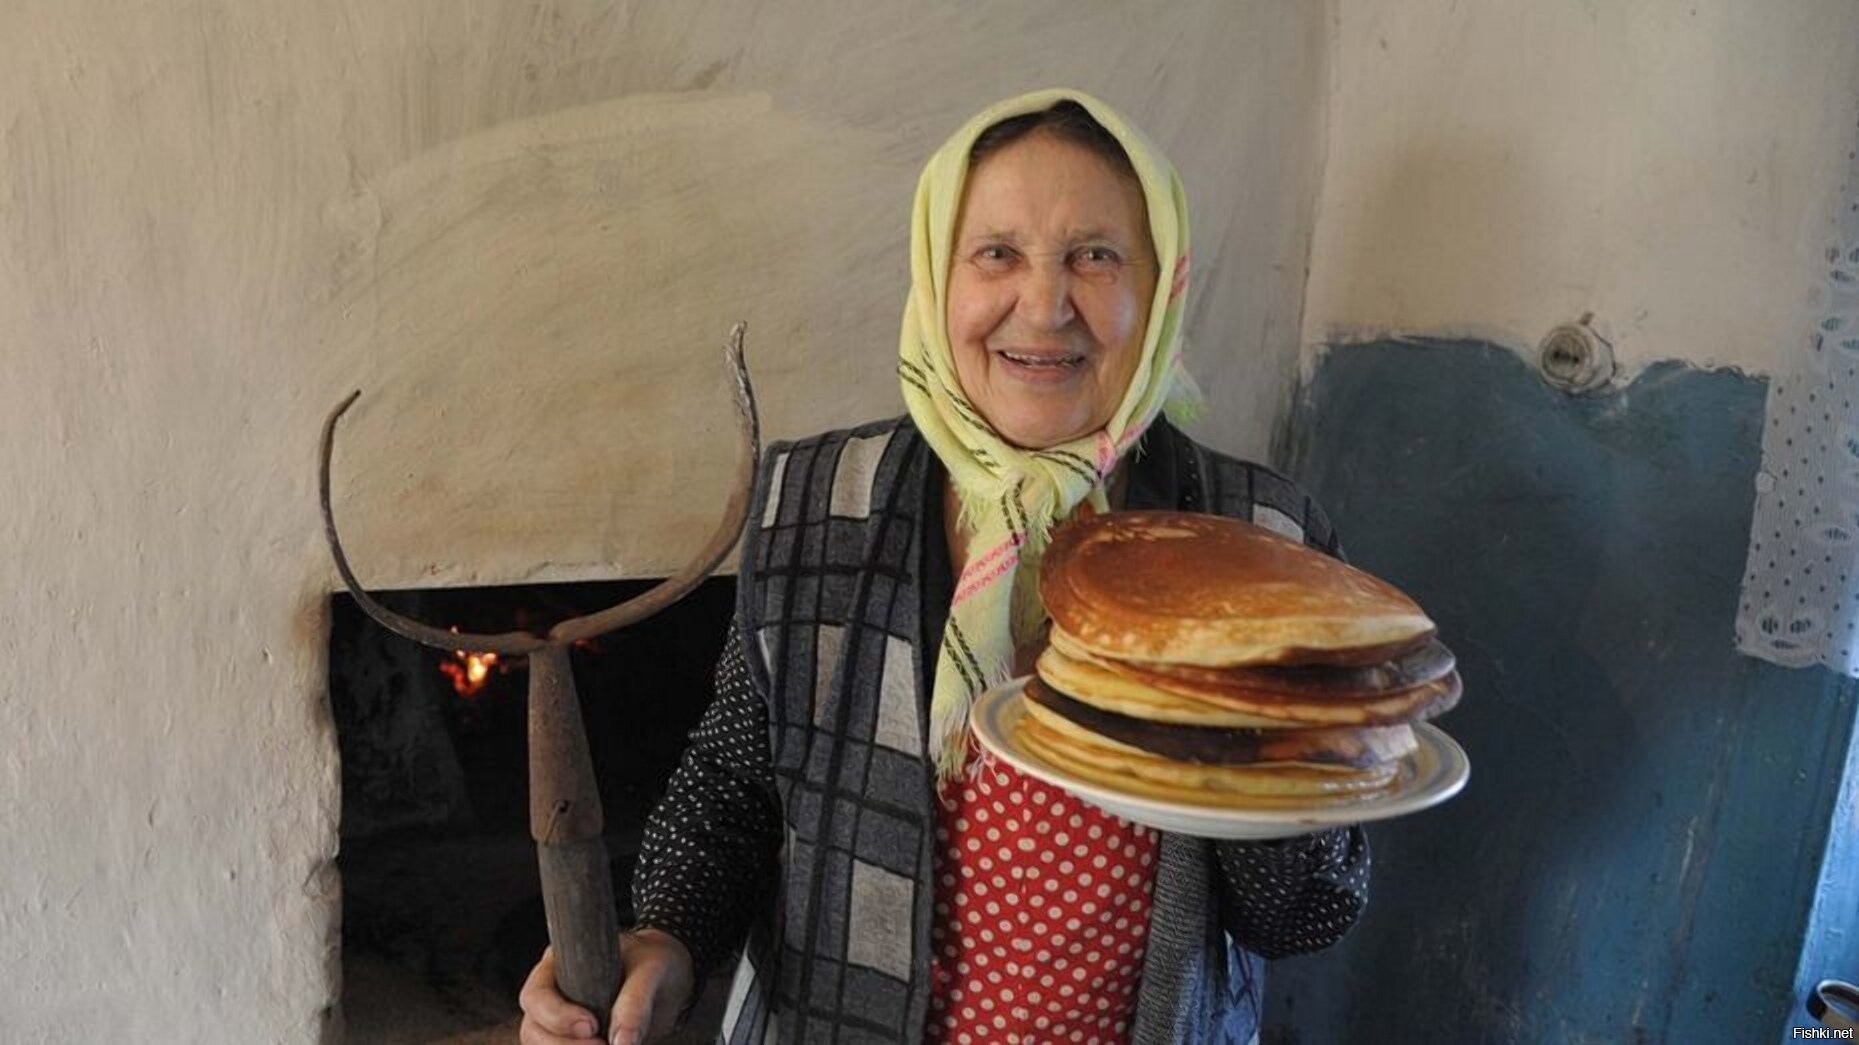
x=1800, y=603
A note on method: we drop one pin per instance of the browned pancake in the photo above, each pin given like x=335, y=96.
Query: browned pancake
x=1429, y=663
x=1131, y=690
x=1358, y=747
x=1184, y=588
x=1126, y=769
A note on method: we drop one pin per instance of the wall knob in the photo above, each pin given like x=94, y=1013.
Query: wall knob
x=1576, y=359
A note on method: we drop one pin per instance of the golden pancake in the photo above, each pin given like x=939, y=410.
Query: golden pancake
x=1187, y=588
x=1104, y=689
x=1429, y=663
x=1136, y=772
x=1129, y=690
x=1350, y=746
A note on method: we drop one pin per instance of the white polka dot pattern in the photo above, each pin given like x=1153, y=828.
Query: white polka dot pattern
x=1042, y=913
x=707, y=861
x=1294, y=895
x=1800, y=599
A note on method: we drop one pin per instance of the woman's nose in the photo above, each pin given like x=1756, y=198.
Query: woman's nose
x=1046, y=294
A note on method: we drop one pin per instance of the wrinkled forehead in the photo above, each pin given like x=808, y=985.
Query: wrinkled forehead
x=1046, y=185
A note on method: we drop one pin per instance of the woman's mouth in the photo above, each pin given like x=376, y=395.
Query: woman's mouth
x=1049, y=362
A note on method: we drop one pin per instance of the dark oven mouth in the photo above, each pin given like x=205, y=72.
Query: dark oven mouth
x=441, y=907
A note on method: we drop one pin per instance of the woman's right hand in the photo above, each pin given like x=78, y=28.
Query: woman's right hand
x=655, y=986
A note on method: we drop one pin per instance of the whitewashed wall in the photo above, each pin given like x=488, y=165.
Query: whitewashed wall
x=1500, y=167
x=522, y=229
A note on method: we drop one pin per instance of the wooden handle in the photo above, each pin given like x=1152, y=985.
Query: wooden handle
x=577, y=894
x=565, y=819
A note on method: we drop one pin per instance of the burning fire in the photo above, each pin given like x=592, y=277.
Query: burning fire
x=469, y=671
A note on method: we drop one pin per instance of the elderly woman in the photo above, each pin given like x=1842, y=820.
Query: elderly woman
x=882, y=879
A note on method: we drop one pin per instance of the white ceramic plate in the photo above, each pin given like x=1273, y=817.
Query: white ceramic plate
x=1434, y=772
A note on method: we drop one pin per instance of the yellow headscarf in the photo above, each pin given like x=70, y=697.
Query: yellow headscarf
x=1010, y=496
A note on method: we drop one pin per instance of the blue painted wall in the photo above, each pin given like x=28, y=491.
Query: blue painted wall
x=1638, y=855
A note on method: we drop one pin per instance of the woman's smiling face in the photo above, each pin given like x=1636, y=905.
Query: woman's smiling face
x=1049, y=289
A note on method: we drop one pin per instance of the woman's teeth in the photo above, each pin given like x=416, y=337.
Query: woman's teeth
x=1045, y=361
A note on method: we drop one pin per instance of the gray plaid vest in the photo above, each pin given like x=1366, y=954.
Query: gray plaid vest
x=830, y=607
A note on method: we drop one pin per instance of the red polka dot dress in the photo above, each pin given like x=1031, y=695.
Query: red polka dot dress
x=1042, y=913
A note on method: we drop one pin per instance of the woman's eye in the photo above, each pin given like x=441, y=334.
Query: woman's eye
x=994, y=254
x=1097, y=259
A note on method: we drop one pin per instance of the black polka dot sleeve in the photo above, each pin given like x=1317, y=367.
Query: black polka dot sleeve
x=1293, y=895
x=709, y=857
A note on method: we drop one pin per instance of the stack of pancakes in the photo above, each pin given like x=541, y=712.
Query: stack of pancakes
x=1204, y=659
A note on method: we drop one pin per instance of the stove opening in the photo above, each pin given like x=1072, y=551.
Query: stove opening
x=441, y=906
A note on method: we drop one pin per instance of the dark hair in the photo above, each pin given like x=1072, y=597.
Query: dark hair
x=1066, y=120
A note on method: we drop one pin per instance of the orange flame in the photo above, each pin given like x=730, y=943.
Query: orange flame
x=469, y=671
